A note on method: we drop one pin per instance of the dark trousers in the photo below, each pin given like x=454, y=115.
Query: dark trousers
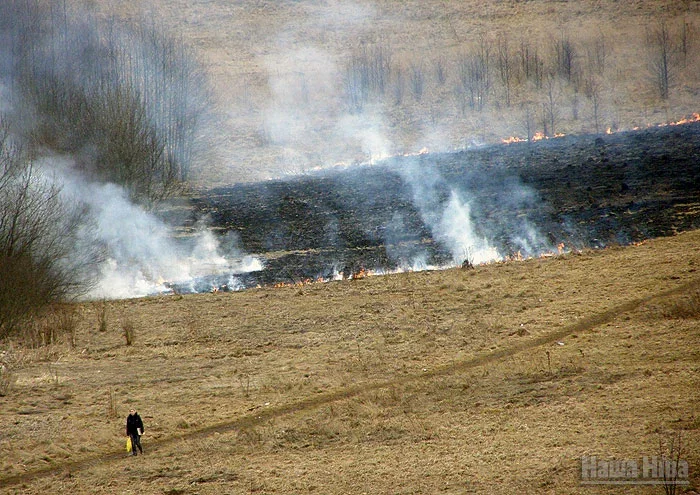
x=135, y=443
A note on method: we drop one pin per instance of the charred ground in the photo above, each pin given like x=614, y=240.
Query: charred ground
x=583, y=191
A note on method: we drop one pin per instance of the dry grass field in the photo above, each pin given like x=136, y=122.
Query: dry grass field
x=497, y=379
x=282, y=73
x=492, y=380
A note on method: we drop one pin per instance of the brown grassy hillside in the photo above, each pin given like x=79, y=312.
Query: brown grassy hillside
x=436, y=74
x=496, y=379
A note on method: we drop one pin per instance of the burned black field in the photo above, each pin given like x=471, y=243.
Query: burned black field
x=524, y=199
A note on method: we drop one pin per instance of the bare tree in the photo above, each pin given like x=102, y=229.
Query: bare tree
x=475, y=78
x=660, y=52
x=367, y=73
x=440, y=70
x=596, y=55
x=505, y=66
x=531, y=63
x=356, y=85
x=594, y=93
x=686, y=37
x=398, y=83
x=565, y=57
x=417, y=81
x=130, y=93
x=528, y=115
x=550, y=110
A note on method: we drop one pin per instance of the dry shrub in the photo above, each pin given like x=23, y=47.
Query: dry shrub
x=57, y=325
x=40, y=234
x=102, y=316
x=250, y=436
x=670, y=452
x=53, y=376
x=129, y=331
x=7, y=380
x=37, y=333
x=112, y=411
x=66, y=323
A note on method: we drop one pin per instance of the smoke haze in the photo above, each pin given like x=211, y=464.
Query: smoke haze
x=331, y=88
x=462, y=223
x=142, y=255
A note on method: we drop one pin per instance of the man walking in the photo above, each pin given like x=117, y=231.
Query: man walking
x=134, y=429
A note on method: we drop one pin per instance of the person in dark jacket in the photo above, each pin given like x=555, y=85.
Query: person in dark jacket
x=134, y=429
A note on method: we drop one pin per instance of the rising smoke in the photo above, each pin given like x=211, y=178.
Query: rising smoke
x=142, y=255
x=458, y=212
x=319, y=96
x=113, y=116
x=306, y=82
x=307, y=104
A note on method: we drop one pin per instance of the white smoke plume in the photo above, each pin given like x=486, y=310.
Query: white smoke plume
x=450, y=221
x=478, y=220
x=305, y=82
x=306, y=116
x=142, y=255
x=367, y=130
x=456, y=230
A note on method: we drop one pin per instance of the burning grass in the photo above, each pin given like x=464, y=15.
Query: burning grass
x=427, y=381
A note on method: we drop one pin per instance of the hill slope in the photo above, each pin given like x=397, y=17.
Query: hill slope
x=305, y=84
x=510, y=200
x=496, y=379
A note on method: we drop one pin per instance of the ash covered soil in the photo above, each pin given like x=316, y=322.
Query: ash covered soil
x=524, y=198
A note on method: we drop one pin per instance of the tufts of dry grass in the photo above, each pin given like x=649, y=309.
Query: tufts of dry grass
x=101, y=314
x=7, y=380
x=128, y=331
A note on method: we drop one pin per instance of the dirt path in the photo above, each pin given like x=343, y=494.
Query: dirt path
x=261, y=415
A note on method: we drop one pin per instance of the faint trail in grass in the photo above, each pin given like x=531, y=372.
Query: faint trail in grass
x=264, y=414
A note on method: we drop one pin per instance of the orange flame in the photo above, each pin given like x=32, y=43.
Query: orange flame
x=513, y=139
x=422, y=151
x=361, y=274
x=694, y=117
x=301, y=283
x=516, y=256
x=538, y=136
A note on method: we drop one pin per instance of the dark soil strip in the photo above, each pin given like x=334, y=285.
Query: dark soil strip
x=263, y=415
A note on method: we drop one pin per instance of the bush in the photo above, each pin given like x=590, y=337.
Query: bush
x=56, y=324
x=7, y=380
x=102, y=316
x=40, y=236
x=125, y=101
x=129, y=332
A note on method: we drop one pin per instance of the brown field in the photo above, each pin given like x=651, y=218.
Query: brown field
x=492, y=380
